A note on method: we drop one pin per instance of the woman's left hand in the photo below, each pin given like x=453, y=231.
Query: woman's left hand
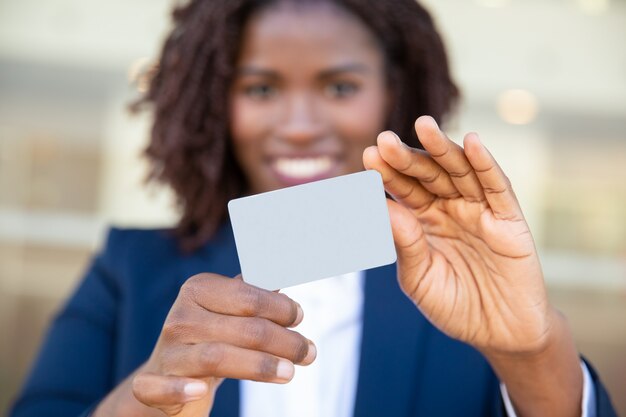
x=466, y=256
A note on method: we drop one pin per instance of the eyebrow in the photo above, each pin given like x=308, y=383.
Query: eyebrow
x=354, y=67
x=260, y=72
x=327, y=73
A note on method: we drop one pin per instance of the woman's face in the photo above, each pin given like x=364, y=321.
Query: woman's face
x=309, y=95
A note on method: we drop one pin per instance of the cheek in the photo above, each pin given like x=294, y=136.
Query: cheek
x=361, y=121
x=248, y=130
x=245, y=128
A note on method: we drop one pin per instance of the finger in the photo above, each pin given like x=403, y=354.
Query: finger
x=450, y=157
x=417, y=164
x=246, y=332
x=403, y=188
x=497, y=187
x=410, y=241
x=216, y=359
x=235, y=297
x=267, y=336
x=167, y=393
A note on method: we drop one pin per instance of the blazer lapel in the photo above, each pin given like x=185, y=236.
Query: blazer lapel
x=392, y=348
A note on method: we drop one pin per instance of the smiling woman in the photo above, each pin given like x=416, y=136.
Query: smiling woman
x=351, y=70
x=300, y=117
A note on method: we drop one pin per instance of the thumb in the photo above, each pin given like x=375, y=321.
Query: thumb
x=410, y=241
x=169, y=393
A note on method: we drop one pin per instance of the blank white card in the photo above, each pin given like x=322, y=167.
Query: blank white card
x=313, y=231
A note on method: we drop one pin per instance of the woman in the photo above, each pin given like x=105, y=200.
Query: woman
x=252, y=96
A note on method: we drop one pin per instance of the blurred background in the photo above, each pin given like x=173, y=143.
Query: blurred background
x=544, y=82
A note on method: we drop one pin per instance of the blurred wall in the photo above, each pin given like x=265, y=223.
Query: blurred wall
x=544, y=83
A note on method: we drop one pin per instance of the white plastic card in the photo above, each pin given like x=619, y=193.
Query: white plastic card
x=313, y=231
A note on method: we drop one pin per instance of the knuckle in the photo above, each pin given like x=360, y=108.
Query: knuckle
x=429, y=179
x=251, y=298
x=174, y=328
x=257, y=333
x=195, y=283
x=190, y=288
x=212, y=356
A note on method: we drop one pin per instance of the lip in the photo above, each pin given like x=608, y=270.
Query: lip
x=289, y=181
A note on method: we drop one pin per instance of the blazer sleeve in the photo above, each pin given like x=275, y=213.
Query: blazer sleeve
x=74, y=368
x=604, y=407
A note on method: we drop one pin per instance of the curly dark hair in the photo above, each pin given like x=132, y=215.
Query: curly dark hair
x=190, y=148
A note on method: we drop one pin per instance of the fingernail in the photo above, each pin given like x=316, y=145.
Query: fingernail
x=311, y=354
x=195, y=389
x=284, y=370
x=299, y=316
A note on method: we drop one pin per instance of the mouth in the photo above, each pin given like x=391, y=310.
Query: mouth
x=300, y=170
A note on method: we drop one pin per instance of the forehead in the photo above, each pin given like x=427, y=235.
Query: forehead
x=307, y=35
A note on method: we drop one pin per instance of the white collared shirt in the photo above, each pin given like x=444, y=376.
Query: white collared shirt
x=333, y=319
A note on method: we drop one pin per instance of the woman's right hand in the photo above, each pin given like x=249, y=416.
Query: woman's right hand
x=218, y=328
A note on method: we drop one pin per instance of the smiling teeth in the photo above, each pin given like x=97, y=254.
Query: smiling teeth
x=302, y=167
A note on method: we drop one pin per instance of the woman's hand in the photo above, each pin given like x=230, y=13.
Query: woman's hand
x=465, y=254
x=468, y=261
x=220, y=328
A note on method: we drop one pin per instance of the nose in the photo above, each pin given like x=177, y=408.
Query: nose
x=301, y=122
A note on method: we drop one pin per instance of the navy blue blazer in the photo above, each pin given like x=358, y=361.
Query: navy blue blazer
x=111, y=323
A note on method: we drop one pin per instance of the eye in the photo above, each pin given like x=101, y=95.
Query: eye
x=260, y=91
x=341, y=89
